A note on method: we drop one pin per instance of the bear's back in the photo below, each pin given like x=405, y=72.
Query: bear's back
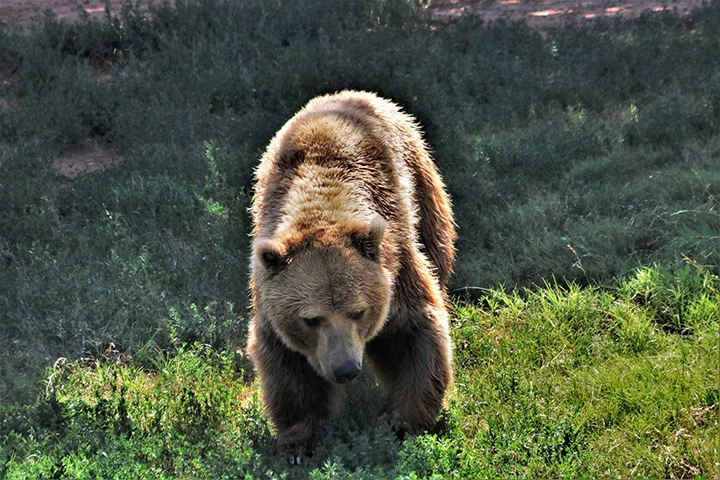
x=376, y=151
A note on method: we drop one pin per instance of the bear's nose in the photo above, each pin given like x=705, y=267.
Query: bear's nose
x=347, y=372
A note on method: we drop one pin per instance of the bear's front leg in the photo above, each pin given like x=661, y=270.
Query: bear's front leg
x=413, y=365
x=297, y=400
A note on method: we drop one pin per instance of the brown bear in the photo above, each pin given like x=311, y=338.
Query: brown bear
x=353, y=246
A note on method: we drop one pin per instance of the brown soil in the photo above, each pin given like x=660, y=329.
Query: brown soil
x=540, y=14
x=7, y=103
x=545, y=14
x=21, y=12
x=84, y=159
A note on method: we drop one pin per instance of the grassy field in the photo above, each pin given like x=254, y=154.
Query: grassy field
x=585, y=173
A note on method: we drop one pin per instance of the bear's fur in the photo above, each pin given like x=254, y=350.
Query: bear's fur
x=353, y=246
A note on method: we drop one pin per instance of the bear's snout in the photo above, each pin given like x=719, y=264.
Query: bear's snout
x=347, y=372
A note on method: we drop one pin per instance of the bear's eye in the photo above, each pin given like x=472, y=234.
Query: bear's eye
x=313, y=321
x=357, y=315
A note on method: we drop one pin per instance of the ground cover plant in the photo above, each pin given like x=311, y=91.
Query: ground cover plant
x=557, y=382
x=585, y=172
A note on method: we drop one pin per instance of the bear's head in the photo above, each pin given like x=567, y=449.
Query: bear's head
x=324, y=297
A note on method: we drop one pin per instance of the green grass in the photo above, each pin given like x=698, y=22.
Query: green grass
x=585, y=174
x=555, y=382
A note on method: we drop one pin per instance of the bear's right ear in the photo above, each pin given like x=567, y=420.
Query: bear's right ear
x=270, y=255
x=368, y=242
x=289, y=158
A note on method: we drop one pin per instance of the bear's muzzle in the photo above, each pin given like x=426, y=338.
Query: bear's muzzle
x=347, y=372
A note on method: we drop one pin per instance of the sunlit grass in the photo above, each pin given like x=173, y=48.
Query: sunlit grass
x=559, y=382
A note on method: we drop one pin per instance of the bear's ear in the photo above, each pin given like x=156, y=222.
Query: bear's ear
x=289, y=158
x=270, y=255
x=368, y=241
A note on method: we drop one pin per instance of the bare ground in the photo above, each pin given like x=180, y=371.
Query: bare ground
x=544, y=14
x=21, y=12
x=540, y=14
x=85, y=158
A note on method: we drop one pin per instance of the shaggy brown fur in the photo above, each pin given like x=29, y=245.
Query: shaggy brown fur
x=353, y=247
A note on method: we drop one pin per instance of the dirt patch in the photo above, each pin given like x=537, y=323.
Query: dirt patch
x=540, y=14
x=21, y=12
x=8, y=103
x=86, y=158
x=546, y=14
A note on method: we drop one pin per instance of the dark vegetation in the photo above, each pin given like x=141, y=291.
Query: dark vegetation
x=585, y=173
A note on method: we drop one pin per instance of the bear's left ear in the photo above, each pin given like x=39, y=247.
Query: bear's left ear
x=368, y=241
x=270, y=254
